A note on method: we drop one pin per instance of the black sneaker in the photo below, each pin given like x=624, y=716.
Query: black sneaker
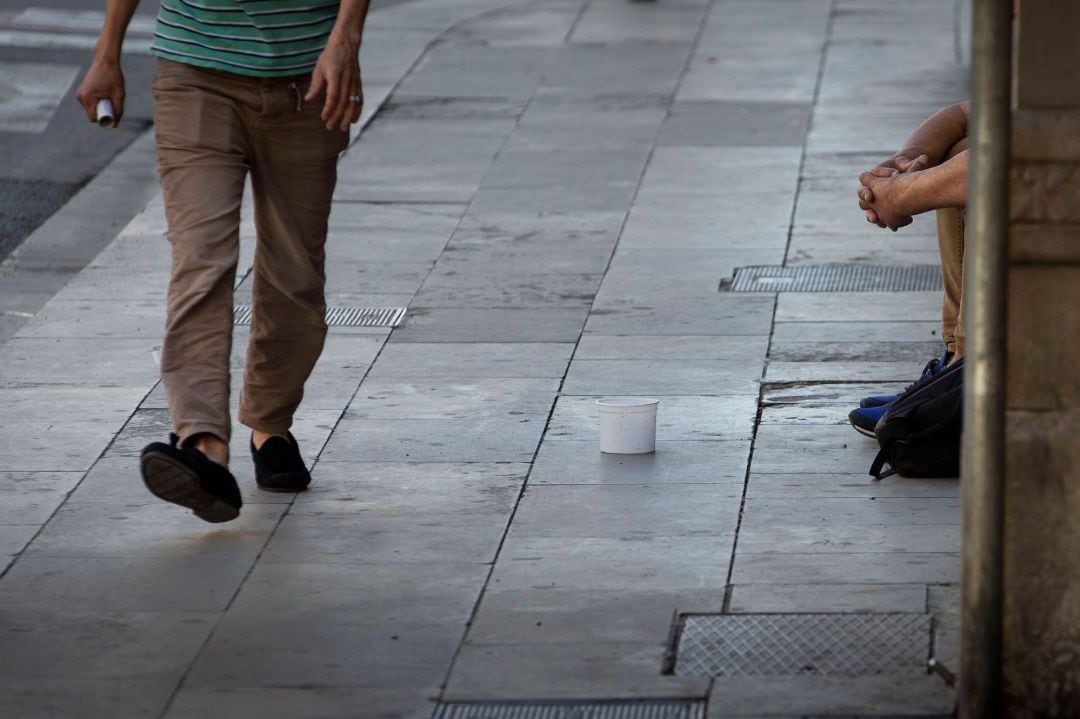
x=279, y=466
x=187, y=477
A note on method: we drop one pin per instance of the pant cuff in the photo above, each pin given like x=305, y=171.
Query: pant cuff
x=186, y=431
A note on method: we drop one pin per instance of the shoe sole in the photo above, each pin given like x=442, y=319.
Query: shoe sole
x=175, y=482
x=864, y=432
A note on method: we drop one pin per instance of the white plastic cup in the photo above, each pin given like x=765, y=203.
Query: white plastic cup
x=627, y=425
x=105, y=114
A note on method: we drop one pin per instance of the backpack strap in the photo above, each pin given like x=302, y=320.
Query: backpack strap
x=879, y=462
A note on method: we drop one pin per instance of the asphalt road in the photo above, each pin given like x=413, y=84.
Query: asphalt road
x=49, y=149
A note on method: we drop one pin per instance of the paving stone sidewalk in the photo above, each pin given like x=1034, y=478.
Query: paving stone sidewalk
x=555, y=189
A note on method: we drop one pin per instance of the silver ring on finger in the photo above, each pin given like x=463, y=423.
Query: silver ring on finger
x=355, y=99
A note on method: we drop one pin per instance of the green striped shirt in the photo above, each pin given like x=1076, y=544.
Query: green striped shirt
x=264, y=38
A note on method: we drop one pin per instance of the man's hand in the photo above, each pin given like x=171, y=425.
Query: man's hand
x=899, y=163
x=882, y=193
x=337, y=73
x=103, y=81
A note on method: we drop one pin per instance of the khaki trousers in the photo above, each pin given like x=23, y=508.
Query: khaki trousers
x=951, y=229
x=951, y=225
x=213, y=129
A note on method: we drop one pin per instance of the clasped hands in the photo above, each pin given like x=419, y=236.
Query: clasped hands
x=882, y=190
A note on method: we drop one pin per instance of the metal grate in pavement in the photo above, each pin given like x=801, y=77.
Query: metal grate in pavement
x=342, y=316
x=666, y=709
x=837, y=278
x=727, y=645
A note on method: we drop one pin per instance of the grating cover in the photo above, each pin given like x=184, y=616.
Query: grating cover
x=837, y=278
x=850, y=645
x=674, y=709
x=342, y=316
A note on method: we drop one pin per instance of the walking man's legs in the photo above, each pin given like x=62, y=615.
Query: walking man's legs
x=293, y=178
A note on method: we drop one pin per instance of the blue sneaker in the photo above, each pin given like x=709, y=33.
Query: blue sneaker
x=933, y=368
x=864, y=419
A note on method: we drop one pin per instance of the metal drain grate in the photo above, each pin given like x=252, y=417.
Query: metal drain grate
x=673, y=709
x=837, y=278
x=342, y=316
x=850, y=645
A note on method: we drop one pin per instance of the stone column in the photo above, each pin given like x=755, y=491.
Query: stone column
x=1041, y=623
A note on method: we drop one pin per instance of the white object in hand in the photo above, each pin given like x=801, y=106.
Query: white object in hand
x=105, y=115
x=627, y=425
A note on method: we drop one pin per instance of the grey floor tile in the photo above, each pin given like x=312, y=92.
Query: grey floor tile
x=709, y=170
x=544, y=25
x=716, y=222
x=614, y=69
x=785, y=414
x=341, y=593
x=498, y=289
x=14, y=538
x=736, y=123
x=654, y=347
x=674, y=462
x=160, y=529
x=558, y=201
x=853, y=511
x=848, y=485
x=857, y=307
x=729, y=417
x=257, y=651
x=865, y=371
x=466, y=361
x=100, y=319
x=816, y=449
x=492, y=325
x=825, y=598
x=915, y=353
x=32, y=497
x=449, y=399
x=841, y=397
x=481, y=255
x=604, y=563
x=435, y=440
x=476, y=71
x=44, y=364
x=412, y=489
x=147, y=583
x=748, y=315
x=314, y=702
x=760, y=536
x=50, y=698
x=832, y=696
x=858, y=332
x=56, y=445
x=676, y=272
x=463, y=538
x=662, y=377
x=619, y=23
x=387, y=278
x=40, y=644
x=853, y=568
x=559, y=167
x=628, y=512
x=592, y=670
x=559, y=616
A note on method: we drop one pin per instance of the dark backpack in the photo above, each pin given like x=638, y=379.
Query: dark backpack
x=920, y=433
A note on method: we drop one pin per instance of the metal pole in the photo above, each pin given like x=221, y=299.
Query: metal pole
x=985, y=276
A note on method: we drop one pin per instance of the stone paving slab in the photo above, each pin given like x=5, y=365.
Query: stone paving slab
x=676, y=462
x=566, y=671
x=259, y=702
x=567, y=616
x=828, y=599
x=678, y=418
x=555, y=190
